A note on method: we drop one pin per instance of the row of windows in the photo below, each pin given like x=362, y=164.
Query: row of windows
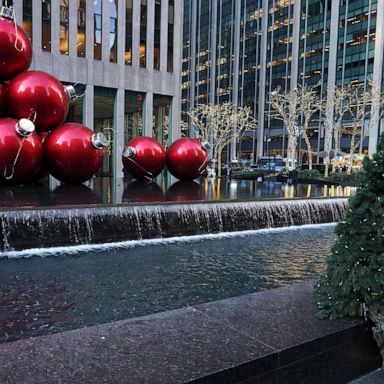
x=46, y=35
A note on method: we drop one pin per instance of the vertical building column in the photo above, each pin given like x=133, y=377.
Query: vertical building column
x=136, y=5
x=148, y=114
x=263, y=72
x=212, y=82
x=193, y=44
x=118, y=133
x=119, y=123
x=18, y=9
x=55, y=27
x=332, y=59
x=164, y=36
x=105, y=51
x=72, y=28
x=89, y=101
x=377, y=72
x=36, y=30
x=296, y=43
x=90, y=33
x=150, y=35
x=177, y=66
x=236, y=70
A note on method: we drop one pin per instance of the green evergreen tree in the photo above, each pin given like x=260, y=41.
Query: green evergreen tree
x=354, y=275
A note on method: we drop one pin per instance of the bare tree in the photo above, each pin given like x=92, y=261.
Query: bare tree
x=287, y=109
x=335, y=107
x=365, y=106
x=309, y=105
x=220, y=124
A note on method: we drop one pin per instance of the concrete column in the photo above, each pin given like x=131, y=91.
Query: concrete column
x=105, y=52
x=55, y=27
x=36, y=29
x=177, y=66
x=148, y=114
x=150, y=35
x=88, y=106
x=236, y=70
x=136, y=33
x=193, y=44
x=18, y=9
x=296, y=43
x=72, y=28
x=212, y=83
x=377, y=71
x=118, y=133
x=263, y=72
x=164, y=36
x=332, y=60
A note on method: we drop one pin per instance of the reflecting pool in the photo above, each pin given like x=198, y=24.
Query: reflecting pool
x=57, y=290
x=120, y=191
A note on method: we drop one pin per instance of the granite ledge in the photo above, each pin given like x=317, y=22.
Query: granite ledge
x=256, y=338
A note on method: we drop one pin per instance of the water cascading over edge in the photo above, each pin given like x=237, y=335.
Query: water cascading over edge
x=71, y=226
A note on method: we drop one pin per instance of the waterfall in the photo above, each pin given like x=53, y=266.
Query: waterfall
x=22, y=229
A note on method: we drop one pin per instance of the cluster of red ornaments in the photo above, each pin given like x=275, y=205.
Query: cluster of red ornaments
x=33, y=106
x=186, y=158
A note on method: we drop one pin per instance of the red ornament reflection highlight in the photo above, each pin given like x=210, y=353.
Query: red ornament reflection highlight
x=141, y=191
x=185, y=191
x=39, y=97
x=144, y=157
x=71, y=155
x=15, y=50
x=186, y=159
x=20, y=157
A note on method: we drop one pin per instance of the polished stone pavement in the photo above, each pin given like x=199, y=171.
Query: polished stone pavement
x=267, y=337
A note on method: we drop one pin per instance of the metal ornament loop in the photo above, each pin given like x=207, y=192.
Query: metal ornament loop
x=129, y=152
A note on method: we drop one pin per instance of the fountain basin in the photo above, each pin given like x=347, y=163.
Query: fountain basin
x=39, y=228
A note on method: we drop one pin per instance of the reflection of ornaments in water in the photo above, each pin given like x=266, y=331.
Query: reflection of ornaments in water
x=74, y=195
x=141, y=191
x=184, y=191
x=40, y=97
x=144, y=157
x=73, y=153
x=186, y=159
x=15, y=50
x=20, y=151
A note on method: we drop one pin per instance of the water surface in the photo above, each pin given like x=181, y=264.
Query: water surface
x=86, y=286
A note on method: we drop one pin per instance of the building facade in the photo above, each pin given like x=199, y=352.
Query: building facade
x=127, y=54
x=240, y=50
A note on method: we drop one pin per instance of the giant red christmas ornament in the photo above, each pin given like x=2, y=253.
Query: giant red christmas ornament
x=20, y=151
x=40, y=97
x=15, y=48
x=43, y=171
x=2, y=98
x=144, y=157
x=73, y=153
x=187, y=158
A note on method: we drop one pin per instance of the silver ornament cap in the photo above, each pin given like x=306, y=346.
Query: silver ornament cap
x=129, y=152
x=25, y=127
x=99, y=140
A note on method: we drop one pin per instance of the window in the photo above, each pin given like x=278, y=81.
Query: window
x=27, y=18
x=113, y=31
x=156, y=49
x=64, y=27
x=143, y=34
x=98, y=22
x=46, y=25
x=162, y=119
x=81, y=22
x=171, y=21
x=133, y=115
x=128, y=33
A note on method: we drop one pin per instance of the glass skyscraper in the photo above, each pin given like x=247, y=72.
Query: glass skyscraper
x=240, y=50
